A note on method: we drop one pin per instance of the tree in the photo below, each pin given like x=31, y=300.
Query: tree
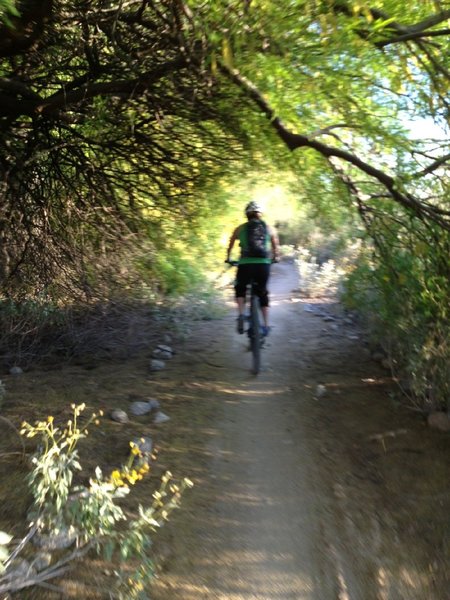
x=107, y=124
x=112, y=113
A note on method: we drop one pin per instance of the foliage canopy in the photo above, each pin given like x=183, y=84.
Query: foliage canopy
x=116, y=117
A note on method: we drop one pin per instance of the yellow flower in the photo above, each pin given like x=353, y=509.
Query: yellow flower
x=50, y=419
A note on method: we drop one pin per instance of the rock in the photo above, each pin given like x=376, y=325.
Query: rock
x=167, y=338
x=321, y=390
x=119, y=415
x=56, y=541
x=157, y=365
x=140, y=408
x=165, y=348
x=328, y=318
x=160, y=417
x=15, y=371
x=439, y=420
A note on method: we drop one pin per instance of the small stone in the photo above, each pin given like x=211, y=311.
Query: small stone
x=165, y=348
x=119, y=415
x=321, y=390
x=439, y=420
x=140, y=408
x=329, y=318
x=157, y=365
x=15, y=371
x=160, y=417
x=167, y=338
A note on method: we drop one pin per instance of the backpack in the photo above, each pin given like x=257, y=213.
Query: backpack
x=257, y=237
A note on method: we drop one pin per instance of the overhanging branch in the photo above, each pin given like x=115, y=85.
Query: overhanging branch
x=294, y=141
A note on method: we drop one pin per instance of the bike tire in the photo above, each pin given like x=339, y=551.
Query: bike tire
x=255, y=339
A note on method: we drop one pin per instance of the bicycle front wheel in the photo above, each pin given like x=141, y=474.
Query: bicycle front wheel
x=255, y=338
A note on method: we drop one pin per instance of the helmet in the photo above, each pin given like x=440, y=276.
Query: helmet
x=252, y=207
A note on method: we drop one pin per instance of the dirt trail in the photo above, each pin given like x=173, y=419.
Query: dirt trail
x=297, y=497
x=339, y=497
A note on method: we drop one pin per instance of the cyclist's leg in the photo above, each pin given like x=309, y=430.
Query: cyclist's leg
x=261, y=275
x=242, y=279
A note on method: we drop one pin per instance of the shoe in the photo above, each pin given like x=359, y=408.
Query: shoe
x=265, y=329
x=240, y=324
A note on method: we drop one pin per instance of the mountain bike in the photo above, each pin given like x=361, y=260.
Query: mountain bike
x=253, y=318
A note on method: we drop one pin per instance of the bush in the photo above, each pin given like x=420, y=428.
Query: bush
x=78, y=519
x=405, y=306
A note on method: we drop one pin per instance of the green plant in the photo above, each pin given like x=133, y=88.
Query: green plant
x=404, y=300
x=315, y=279
x=85, y=517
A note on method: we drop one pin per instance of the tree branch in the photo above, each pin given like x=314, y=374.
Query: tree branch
x=29, y=103
x=411, y=32
x=294, y=141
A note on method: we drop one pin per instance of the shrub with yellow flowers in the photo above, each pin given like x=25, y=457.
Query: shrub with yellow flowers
x=77, y=519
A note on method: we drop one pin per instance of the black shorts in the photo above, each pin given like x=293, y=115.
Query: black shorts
x=259, y=273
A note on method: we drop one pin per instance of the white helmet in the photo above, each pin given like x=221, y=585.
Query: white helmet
x=253, y=207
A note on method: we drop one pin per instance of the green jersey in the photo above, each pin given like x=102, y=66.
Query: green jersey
x=254, y=239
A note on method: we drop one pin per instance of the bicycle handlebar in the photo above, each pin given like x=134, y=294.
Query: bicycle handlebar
x=235, y=263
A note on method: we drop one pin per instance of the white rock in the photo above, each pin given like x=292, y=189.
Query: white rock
x=140, y=408
x=160, y=417
x=157, y=365
x=165, y=348
x=321, y=390
x=119, y=415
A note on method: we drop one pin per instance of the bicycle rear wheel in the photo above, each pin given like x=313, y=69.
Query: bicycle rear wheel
x=255, y=338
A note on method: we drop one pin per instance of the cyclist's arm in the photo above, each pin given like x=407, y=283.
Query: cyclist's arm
x=275, y=245
x=233, y=238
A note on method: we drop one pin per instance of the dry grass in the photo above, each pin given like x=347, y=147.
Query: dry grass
x=102, y=385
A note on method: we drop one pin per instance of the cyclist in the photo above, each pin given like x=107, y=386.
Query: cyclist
x=259, y=247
